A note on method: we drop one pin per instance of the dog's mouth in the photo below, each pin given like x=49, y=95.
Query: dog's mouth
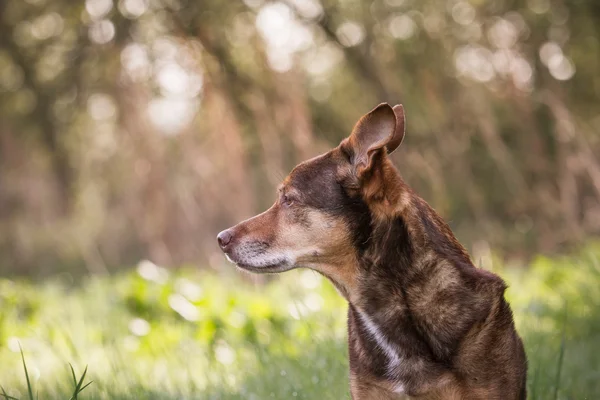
x=266, y=269
x=262, y=265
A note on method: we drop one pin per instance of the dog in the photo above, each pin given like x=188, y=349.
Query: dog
x=423, y=321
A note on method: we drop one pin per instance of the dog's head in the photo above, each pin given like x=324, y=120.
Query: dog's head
x=324, y=209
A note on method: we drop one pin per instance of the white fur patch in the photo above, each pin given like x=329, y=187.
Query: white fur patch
x=394, y=358
x=266, y=259
x=399, y=389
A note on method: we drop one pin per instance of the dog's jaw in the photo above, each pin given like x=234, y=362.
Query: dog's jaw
x=261, y=261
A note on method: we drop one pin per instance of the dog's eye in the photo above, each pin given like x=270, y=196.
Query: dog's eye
x=286, y=200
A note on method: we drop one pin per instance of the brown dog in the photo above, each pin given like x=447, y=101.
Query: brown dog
x=423, y=321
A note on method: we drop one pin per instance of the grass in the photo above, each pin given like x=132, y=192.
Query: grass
x=155, y=334
x=79, y=386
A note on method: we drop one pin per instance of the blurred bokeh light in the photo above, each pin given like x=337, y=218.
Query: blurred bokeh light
x=137, y=129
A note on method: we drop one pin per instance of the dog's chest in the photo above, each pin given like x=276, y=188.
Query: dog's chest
x=389, y=352
x=379, y=341
x=371, y=351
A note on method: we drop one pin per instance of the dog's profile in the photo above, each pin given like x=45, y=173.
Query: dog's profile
x=423, y=321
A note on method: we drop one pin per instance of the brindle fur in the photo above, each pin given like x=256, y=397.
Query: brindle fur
x=423, y=321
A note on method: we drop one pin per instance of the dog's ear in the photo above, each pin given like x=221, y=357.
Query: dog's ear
x=398, y=136
x=378, y=132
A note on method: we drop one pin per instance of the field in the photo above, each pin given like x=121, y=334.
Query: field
x=157, y=334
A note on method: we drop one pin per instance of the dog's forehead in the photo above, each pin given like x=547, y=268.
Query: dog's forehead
x=316, y=180
x=308, y=172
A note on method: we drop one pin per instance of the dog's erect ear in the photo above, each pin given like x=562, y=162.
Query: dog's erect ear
x=399, y=131
x=380, y=130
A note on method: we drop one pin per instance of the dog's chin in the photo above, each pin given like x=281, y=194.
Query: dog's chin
x=257, y=266
x=265, y=269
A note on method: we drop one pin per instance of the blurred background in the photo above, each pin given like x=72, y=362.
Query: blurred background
x=138, y=129
x=132, y=131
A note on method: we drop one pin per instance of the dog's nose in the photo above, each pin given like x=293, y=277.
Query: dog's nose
x=224, y=238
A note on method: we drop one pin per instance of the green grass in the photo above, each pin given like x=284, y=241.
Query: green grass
x=77, y=383
x=155, y=334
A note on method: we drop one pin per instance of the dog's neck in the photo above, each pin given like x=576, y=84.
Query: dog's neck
x=399, y=247
x=404, y=239
x=413, y=272
x=405, y=230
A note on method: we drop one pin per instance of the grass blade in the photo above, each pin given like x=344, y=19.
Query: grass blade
x=29, y=388
x=6, y=396
x=561, y=355
x=560, y=364
x=79, y=387
x=535, y=383
x=86, y=385
x=82, y=378
x=73, y=374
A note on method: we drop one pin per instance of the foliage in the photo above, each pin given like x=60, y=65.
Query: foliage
x=557, y=307
x=189, y=334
